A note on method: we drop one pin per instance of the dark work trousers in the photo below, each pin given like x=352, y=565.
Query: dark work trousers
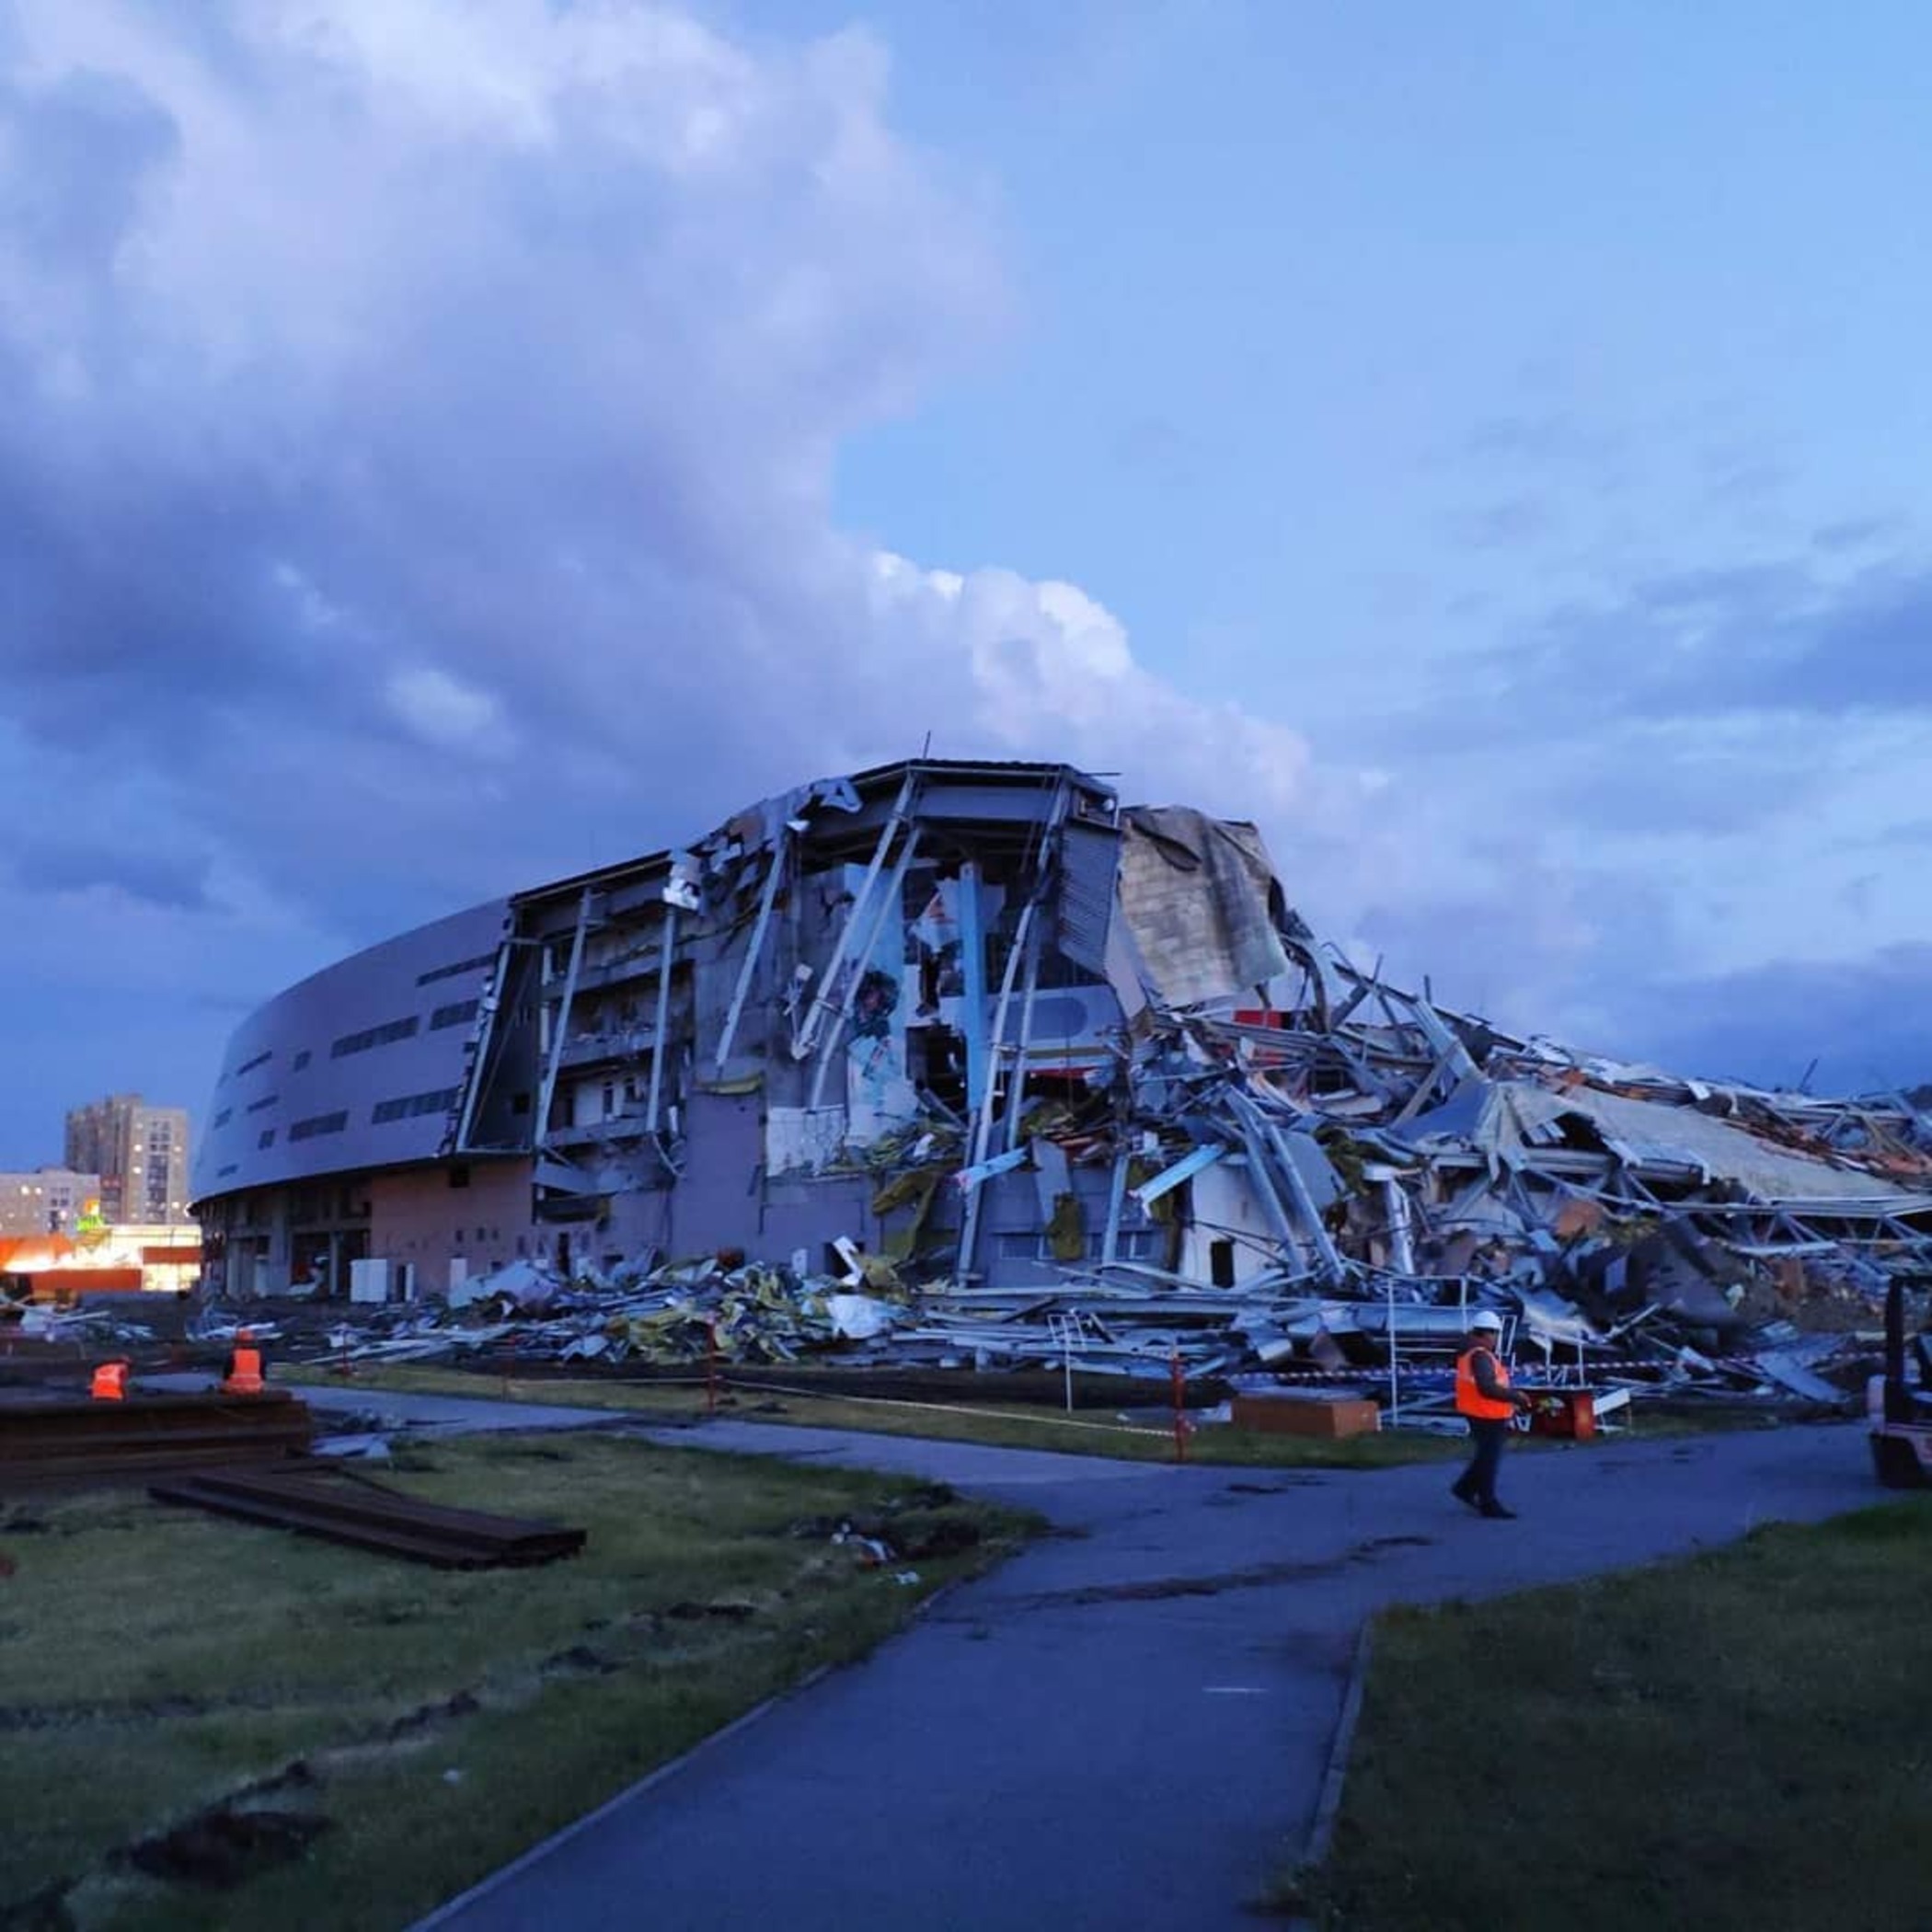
x=1479, y=1480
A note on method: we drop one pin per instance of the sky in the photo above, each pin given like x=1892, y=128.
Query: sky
x=446, y=444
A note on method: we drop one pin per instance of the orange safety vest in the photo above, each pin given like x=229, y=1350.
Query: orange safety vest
x=245, y=1377
x=110, y=1382
x=1470, y=1400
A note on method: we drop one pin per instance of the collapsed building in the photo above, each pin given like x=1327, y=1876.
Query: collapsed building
x=1047, y=1071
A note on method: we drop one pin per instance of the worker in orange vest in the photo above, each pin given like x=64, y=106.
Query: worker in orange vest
x=110, y=1382
x=242, y=1375
x=1485, y=1399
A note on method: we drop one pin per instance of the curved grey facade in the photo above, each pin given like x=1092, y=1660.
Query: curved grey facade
x=363, y=1065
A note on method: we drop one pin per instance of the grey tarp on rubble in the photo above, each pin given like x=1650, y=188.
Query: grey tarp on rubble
x=1196, y=893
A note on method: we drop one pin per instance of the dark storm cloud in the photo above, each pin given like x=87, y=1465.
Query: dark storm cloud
x=171, y=881
x=1774, y=640
x=1866, y=1024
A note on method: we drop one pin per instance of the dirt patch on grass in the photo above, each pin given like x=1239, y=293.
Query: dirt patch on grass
x=220, y=1848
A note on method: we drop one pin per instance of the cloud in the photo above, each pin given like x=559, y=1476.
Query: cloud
x=459, y=365
x=172, y=880
x=1855, y=533
x=443, y=711
x=1510, y=523
x=1769, y=640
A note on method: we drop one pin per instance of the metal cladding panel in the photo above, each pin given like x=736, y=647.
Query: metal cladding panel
x=1089, y=857
x=352, y=1068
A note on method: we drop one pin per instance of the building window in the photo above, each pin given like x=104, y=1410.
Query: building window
x=318, y=1124
x=301, y=1060
x=454, y=968
x=384, y=1035
x=413, y=1106
x=459, y=1014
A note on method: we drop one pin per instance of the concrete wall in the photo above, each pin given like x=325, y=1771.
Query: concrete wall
x=420, y=1218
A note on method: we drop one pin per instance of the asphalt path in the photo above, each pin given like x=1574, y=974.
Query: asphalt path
x=1128, y=1724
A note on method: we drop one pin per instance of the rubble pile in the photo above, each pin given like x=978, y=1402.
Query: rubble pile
x=1411, y=1165
x=961, y=1064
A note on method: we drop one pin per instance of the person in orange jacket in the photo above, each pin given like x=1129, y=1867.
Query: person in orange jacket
x=110, y=1382
x=1485, y=1401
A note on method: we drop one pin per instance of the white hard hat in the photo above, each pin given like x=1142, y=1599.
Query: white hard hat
x=1486, y=1318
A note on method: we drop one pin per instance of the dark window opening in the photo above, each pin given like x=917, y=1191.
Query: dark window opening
x=936, y=1062
x=459, y=1175
x=409, y=1106
x=1220, y=1263
x=454, y=968
x=384, y=1035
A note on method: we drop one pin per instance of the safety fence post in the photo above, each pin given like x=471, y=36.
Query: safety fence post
x=711, y=1367
x=1179, y=1379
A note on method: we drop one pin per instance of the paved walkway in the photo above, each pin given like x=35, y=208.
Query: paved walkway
x=1126, y=1725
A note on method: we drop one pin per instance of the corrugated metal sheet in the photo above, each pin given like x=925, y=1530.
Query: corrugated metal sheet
x=1519, y=1116
x=1089, y=856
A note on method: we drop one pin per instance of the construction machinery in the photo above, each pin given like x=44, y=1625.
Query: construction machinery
x=1899, y=1403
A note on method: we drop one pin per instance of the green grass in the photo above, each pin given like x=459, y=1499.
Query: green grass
x=1007, y=1427
x=155, y=1662
x=1739, y=1740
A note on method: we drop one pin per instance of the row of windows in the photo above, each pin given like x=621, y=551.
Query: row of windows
x=318, y=1124
x=265, y=1100
x=460, y=1014
x=450, y=970
x=224, y=1117
x=412, y=1105
x=385, y=1035
x=248, y=1066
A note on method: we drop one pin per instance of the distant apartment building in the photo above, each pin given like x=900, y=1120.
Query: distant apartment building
x=139, y=1152
x=50, y=1201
